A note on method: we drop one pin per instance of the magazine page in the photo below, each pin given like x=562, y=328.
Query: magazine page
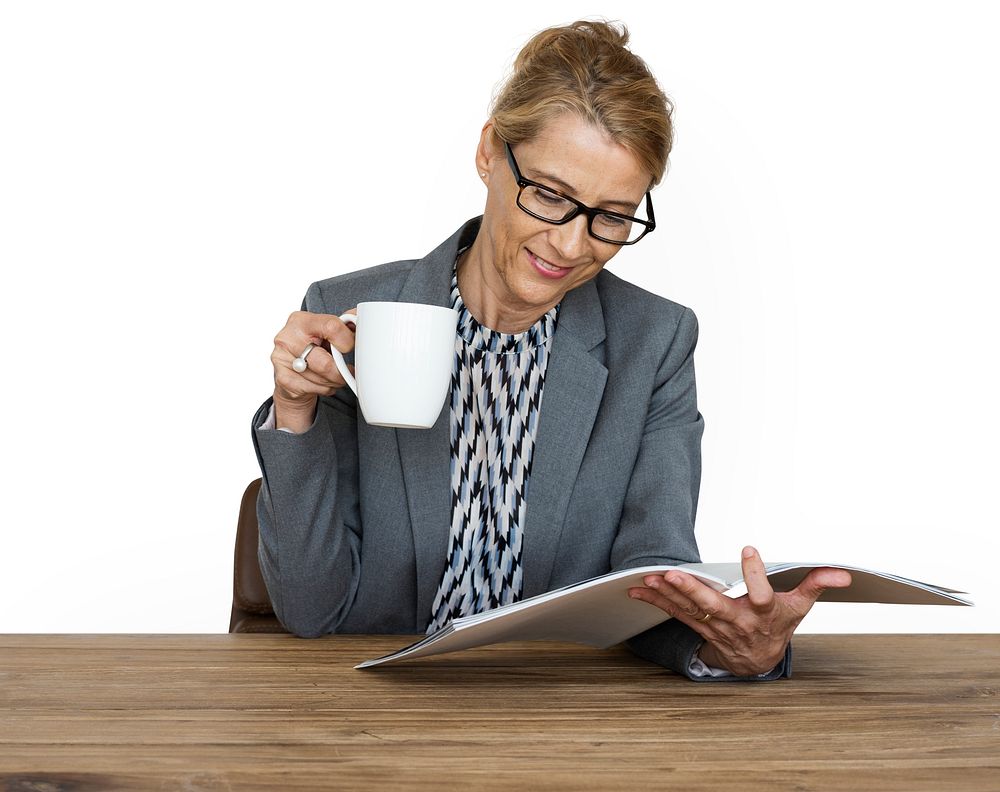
x=598, y=612
x=867, y=585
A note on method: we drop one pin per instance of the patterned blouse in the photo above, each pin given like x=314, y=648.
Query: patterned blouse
x=496, y=393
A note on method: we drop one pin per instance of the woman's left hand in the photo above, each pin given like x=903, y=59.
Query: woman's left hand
x=748, y=635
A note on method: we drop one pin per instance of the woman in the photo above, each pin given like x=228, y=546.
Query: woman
x=571, y=444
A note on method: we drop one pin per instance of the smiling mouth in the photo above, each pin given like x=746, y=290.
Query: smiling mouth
x=546, y=265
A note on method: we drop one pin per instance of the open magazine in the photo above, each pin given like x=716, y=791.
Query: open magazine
x=599, y=612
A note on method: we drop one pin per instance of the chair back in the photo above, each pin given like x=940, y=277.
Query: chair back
x=252, y=611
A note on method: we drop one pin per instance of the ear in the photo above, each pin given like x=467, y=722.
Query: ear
x=487, y=155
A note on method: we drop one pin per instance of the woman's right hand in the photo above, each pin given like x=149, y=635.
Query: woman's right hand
x=296, y=394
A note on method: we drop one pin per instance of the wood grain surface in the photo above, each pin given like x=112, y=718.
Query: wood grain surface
x=219, y=712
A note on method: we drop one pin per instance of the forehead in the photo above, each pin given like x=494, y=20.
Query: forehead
x=585, y=159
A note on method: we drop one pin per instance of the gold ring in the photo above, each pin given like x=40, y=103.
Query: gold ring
x=705, y=620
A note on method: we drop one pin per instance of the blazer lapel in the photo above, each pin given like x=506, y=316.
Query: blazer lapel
x=574, y=387
x=425, y=454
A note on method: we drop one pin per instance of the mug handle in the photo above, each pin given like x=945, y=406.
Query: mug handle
x=338, y=357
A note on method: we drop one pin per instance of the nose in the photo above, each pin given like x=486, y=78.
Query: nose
x=571, y=239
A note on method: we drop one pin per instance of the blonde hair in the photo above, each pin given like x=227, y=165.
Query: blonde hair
x=585, y=68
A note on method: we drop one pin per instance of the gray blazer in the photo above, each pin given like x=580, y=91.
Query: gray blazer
x=354, y=519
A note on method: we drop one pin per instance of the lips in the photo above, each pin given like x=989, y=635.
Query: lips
x=545, y=268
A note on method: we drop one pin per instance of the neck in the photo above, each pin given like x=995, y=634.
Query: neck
x=486, y=296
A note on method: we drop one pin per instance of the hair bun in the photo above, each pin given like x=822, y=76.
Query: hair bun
x=585, y=68
x=611, y=32
x=614, y=33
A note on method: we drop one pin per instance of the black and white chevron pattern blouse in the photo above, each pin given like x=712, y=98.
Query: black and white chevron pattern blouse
x=496, y=392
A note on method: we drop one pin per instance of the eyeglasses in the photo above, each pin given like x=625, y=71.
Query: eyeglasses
x=552, y=206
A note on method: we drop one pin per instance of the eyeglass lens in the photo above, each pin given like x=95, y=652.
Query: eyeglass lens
x=549, y=206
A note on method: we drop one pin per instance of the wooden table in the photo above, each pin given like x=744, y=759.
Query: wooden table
x=214, y=712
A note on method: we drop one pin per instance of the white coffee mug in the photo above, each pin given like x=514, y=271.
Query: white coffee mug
x=403, y=358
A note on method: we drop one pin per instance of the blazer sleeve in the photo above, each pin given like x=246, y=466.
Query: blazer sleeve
x=657, y=525
x=308, y=512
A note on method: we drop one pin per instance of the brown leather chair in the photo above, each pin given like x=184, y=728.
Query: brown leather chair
x=252, y=611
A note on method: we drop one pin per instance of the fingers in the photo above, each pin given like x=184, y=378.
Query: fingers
x=666, y=604
x=300, y=388
x=321, y=377
x=304, y=327
x=759, y=590
x=690, y=596
x=819, y=580
x=320, y=364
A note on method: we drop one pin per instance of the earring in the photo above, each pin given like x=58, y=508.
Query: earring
x=483, y=174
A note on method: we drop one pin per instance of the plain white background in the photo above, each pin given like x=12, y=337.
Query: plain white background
x=173, y=176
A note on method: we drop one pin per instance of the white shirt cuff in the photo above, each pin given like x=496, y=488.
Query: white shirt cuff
x=269, y=422
x=698, y=668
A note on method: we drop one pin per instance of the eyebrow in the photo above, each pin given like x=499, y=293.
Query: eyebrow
x=568, y=188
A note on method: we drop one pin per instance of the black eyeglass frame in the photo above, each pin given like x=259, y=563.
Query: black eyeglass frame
x=581, y=208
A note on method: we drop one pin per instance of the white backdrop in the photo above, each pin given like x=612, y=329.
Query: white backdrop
x=173, y=175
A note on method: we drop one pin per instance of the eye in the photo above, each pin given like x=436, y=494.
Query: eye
x=611, y=221
x=549, y=198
